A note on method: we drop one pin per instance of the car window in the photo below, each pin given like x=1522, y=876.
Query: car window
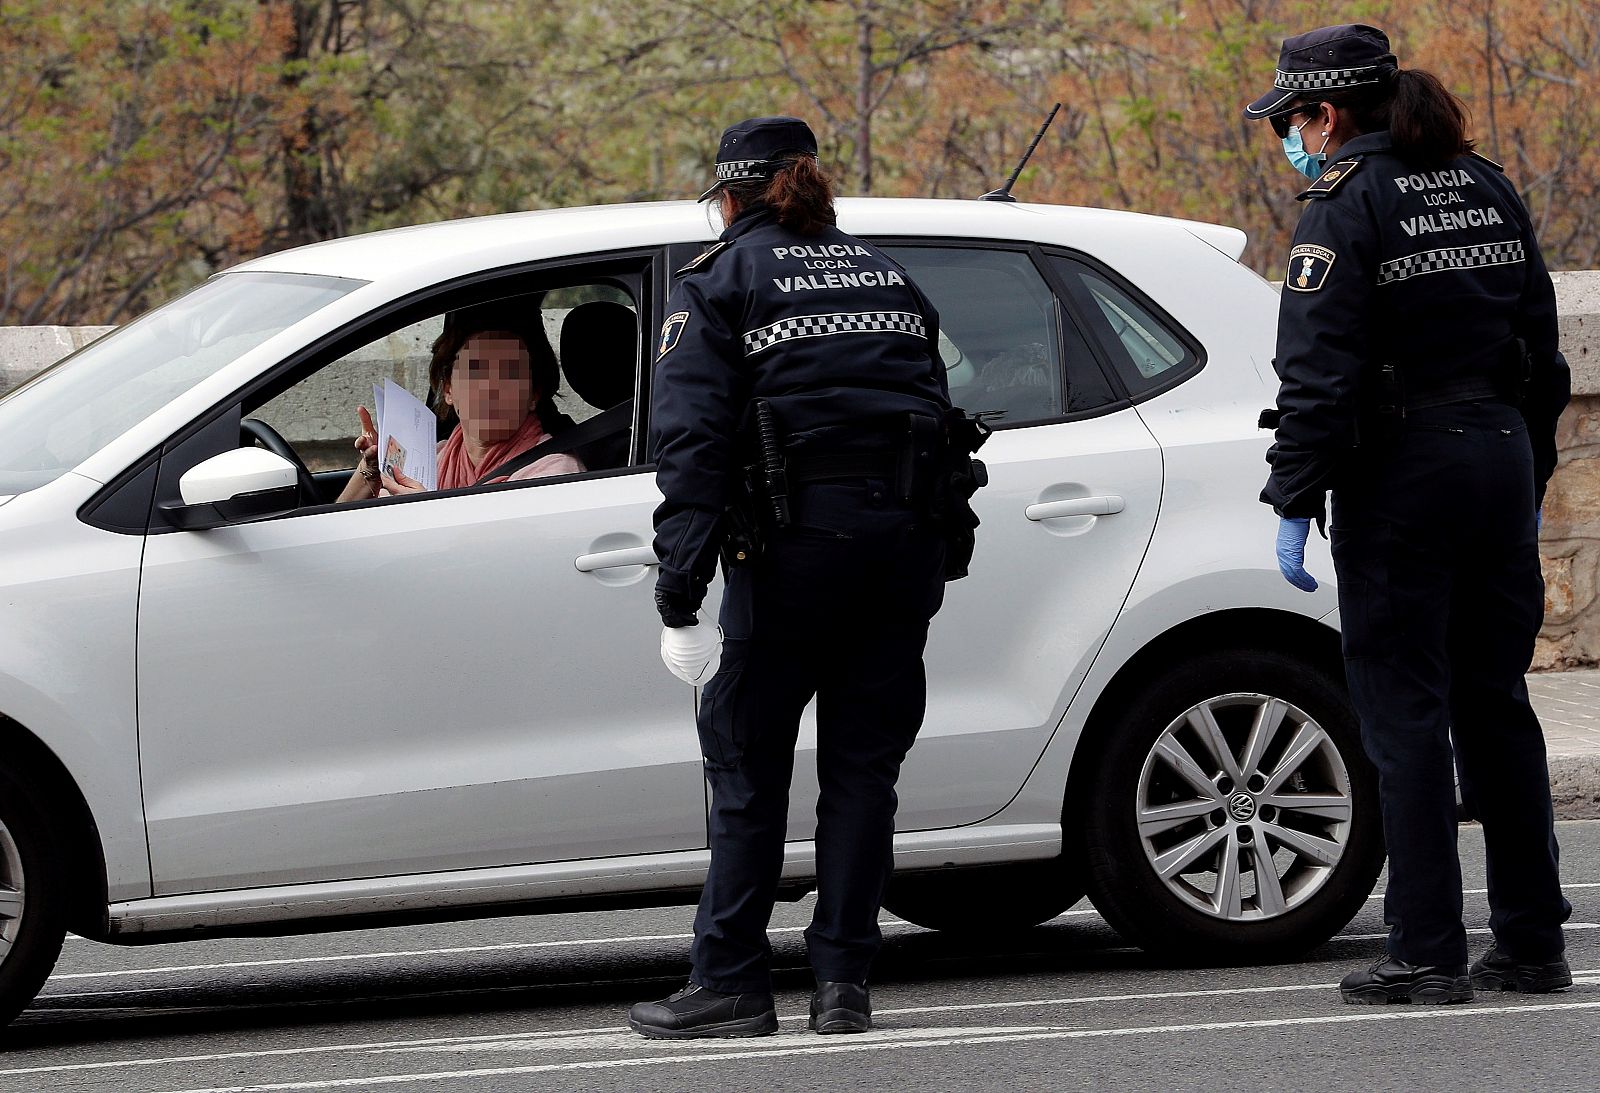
x=1145, y=353
x=72, y=410
x=1002, y=337
x=590, y=330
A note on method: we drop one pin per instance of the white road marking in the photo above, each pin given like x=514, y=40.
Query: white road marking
x=614, y=1039
x=1585, y=977
x=1476, y=930
x=888, y=920
x=887, y=1042
x=345, y=958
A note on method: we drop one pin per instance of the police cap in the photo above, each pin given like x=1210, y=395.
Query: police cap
x=1324, y=61
x=751, y=148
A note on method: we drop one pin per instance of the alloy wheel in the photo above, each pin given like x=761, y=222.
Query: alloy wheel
x=1244, y=807
x=12, y=892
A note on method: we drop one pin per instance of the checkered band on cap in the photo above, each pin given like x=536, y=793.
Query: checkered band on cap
x=1328, y=79
x=843, y=322
x=1433, y=261
x=741, y=169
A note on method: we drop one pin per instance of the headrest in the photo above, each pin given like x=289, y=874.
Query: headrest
x=599, y=351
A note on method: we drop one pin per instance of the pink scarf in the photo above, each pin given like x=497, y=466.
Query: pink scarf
x=455, y=466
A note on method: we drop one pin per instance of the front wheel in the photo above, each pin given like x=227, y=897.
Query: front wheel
x=1233, y=815
x=32, y=913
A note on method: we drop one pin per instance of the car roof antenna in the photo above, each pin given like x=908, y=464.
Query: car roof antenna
x=1004, y=192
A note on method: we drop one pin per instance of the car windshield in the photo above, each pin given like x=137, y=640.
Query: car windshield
x=74, y=408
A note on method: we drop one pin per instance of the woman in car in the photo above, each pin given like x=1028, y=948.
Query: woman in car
x=493, y=372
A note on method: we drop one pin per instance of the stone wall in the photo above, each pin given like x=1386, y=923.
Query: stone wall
x=1570, y=541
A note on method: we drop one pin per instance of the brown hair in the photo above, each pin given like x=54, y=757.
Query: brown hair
x=519, y=319
x=1425, y=119
x=799, y=193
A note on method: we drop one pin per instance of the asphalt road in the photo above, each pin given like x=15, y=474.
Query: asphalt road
x=538, y=1003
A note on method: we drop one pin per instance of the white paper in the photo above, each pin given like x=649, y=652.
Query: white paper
x=407, y=435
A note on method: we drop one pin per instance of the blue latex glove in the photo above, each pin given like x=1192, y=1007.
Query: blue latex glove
x=1292, y=535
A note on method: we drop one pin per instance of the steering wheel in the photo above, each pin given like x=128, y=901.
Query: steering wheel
x=253, y=428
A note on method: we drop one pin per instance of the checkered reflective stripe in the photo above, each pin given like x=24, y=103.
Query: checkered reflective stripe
x=1432, y=261
x=843, y=322
x=739, y=168
x=1326, y=79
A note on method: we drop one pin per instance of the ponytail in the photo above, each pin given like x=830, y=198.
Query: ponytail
x=799, y=194
x=1426, y=121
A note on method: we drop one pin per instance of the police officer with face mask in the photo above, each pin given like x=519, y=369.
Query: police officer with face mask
x=804, y=359
x=1421, y=383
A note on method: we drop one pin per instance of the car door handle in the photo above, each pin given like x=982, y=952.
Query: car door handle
x=1104, y=505
x=612, y=559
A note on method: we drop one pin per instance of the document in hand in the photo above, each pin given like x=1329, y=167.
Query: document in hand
x=407, y=438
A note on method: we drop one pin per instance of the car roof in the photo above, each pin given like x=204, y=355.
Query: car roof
x=458, y=247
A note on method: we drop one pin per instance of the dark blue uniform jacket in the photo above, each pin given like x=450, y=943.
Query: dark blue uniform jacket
x=826, y=327
x=1435, y=270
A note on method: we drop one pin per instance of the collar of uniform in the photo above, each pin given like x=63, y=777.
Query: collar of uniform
x=1365, y=145
x=747, y=221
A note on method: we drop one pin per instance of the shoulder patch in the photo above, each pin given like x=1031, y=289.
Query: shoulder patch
x=1308, y=267
x=671, y=331
x=1331, y=178
x=1486, y=159
x=703, y=259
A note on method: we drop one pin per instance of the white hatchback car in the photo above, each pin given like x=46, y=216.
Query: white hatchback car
x=229, y=705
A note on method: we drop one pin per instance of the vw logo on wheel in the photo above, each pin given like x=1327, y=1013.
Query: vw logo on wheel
x=1241, y=806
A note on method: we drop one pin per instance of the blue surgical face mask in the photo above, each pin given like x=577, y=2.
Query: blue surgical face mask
x=1307, y=163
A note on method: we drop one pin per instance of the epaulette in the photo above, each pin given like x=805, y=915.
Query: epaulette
x=1330, y=179
x=1490, y=162
x=703, y=259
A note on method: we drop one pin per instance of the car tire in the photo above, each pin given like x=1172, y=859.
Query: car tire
x=1277, y=855
x=32, y=899
x=983, y=899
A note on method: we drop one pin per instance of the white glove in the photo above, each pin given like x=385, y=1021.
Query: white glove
x=692, y=653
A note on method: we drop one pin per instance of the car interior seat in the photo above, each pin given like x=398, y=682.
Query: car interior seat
x=599, y=355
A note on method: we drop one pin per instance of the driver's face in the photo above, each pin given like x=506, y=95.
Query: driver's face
x=491, y=385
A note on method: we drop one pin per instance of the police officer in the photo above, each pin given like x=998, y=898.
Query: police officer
x=1421, y=383
x=793, y=346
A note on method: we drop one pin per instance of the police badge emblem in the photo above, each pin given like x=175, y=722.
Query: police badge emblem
x=1308, y=267
x=671, y=331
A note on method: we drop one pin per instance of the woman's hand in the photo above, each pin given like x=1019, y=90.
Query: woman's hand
x=367, y=444
x=398, y=484
x=364, y=482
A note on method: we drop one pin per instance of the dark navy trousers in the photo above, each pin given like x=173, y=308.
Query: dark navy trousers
x=837, y=609
x=1440, y=598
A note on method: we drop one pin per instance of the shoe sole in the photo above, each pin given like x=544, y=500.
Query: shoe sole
x=1433, y=991
x=840, y=1020
x=763, y=1024
x=1522, y=981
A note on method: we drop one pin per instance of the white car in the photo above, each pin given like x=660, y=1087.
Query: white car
x=229, y=705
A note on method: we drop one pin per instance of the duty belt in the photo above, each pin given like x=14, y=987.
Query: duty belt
x=822, y=467
x=1473, y=389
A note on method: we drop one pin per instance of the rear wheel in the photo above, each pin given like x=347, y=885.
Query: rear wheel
x=32, y=911
x=1233, y=815
x=984, y=898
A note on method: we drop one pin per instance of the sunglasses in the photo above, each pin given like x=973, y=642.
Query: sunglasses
x=1280, y=122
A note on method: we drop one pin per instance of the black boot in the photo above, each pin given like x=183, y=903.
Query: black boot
x=841, y=1007
x=1499, y=971
x=1391, y=980
x=701, y=1013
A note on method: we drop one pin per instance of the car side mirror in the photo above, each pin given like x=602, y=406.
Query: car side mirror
x=239, y=485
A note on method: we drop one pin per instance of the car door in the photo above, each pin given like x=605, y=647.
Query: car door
x=457, y=680
x=1074, y=488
